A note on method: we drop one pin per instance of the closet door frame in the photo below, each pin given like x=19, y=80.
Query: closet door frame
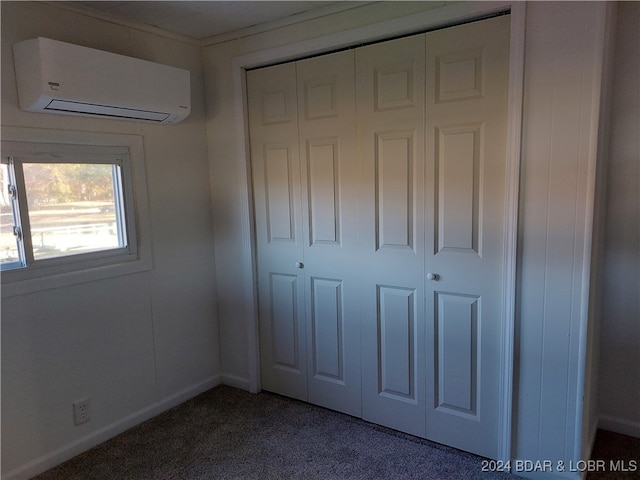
x=428, y=20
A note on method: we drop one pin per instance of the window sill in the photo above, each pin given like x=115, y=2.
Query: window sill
x=14, y=283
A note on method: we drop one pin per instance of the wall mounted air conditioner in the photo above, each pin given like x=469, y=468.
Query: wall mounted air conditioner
x=58, y=77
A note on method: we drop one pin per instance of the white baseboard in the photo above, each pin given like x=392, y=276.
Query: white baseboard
x=70, y=450
x=235, y=381
x=619, y=425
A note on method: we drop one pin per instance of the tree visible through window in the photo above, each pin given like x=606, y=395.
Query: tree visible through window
x=72, y=208
x=61, y=203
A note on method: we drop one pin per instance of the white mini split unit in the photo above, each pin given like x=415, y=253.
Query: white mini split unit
x=58, y=77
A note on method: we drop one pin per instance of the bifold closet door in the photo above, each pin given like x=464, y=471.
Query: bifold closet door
x=467, y=86
x=304, y=167
x=379, y=185
x=329, y=171
x=390, y=101
x=275, y=167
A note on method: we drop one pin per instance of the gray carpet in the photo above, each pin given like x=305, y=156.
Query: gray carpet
x=614, y=450
x=227, y=433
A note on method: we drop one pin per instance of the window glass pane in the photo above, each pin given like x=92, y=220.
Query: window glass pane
x=8, y=241
x=73, y=208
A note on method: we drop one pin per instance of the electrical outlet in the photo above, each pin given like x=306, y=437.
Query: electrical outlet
x=81, y=412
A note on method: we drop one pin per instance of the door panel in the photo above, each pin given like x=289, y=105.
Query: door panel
x=390, y=104
x=279, y=194
x=324, y=191
x=275, y=168
x=394, y=190
x=397, y=340
x=457, y=362
x=284, y=322
x=467, y=84
x=457, y=186
x=327, y=327
x=326, y=92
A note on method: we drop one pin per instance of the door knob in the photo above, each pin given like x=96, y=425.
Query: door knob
x=433, y=277
x=299, y=265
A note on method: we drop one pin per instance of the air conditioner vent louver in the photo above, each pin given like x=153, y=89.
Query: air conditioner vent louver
x=57, y=77
x=105, y=111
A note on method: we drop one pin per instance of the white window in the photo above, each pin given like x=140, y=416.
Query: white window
x=65, y=208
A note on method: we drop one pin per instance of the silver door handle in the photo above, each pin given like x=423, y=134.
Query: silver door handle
x=299, y=265
x=434, y=277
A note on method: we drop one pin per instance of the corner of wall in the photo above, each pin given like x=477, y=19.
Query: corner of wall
x=619, y=425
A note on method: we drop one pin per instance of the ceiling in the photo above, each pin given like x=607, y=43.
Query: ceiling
x=203, y=19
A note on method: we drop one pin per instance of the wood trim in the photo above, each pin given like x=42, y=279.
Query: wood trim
x=248, y=233
x=597, y=156
x=512, y=183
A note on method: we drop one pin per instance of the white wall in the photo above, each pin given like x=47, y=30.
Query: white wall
x=619, y=381
x=134, y=344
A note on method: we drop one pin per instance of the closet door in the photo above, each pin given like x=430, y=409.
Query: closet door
x=304, y=166
x=390, y=105
x=275, y=167
x=326, y=106
x=379, y=206
x=467, y=85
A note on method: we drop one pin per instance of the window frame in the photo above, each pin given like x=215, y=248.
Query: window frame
x=15, y=211
x=126, y=151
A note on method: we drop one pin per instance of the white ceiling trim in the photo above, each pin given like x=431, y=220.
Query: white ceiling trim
x=330, y=9
x=283, y=22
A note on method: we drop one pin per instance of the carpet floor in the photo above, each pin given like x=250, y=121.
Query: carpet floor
x=227, y=433
x=616, y=457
